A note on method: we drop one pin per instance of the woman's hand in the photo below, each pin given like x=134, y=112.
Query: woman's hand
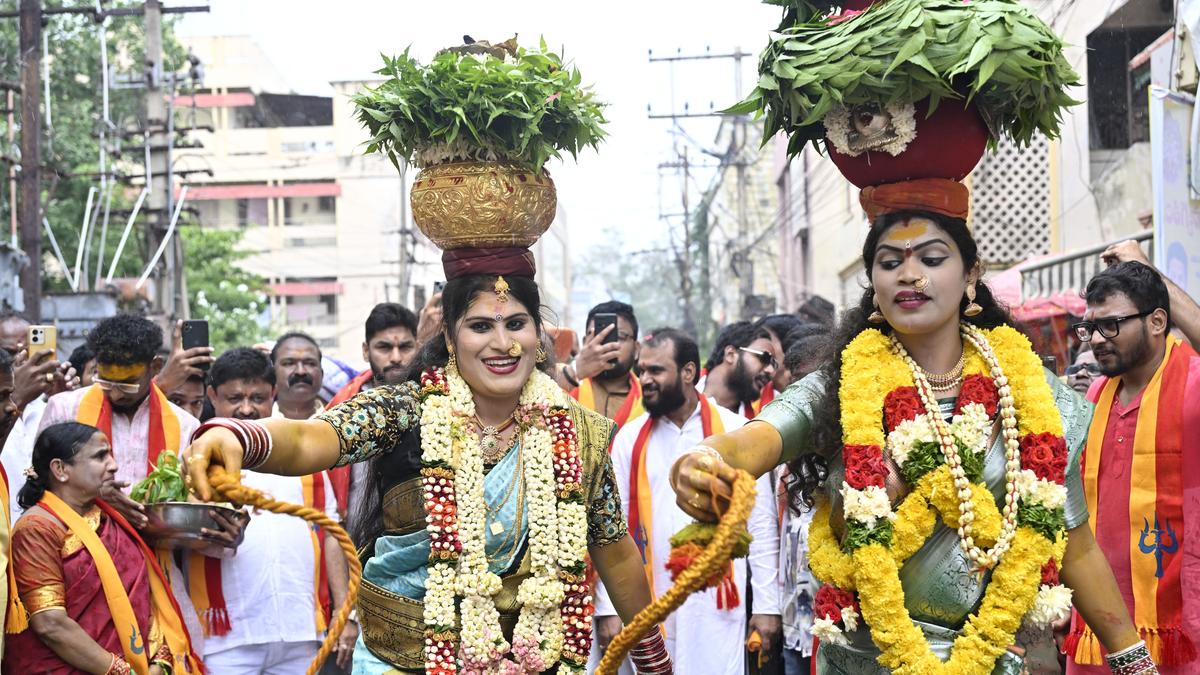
x=218, y=447
x=703, y=484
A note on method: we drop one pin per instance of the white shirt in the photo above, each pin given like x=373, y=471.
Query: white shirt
x=268, y=583
x=711, y=640
x=130, y=436
x=18, y=450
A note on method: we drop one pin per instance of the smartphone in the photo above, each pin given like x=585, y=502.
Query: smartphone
x=602, y=321
x=41, y=339
x=438, y=286
x=1050, y=362
x=195, y=334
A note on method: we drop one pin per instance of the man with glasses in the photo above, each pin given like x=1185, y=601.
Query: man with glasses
x=125, y=403
x=602, y=375
x=742, y=362
x=1141, y=465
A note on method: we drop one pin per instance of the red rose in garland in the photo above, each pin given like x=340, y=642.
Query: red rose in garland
x=901, y=405
x=830, y=600
x=978, y=389
x=1050, y=573
x=864, y=466
x=1046, y=455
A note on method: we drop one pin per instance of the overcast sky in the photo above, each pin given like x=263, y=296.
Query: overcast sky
x=314, y=43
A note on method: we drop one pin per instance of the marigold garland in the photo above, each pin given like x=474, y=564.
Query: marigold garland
x=881, y=409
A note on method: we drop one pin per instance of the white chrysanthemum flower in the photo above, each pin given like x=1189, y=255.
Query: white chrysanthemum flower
x=906, y=435
x=849, y=619
x=866, y=506
x=1051, y=495
x=828, y=632
x=1027, y=484
x=971, y=426
x=1053, y=604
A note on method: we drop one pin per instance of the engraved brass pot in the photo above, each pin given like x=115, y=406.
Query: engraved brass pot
x=482, y=204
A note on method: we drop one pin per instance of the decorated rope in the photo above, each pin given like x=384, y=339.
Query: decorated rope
x=690, y=580
x=242, y=494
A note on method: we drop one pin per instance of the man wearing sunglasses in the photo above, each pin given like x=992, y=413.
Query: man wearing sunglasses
x=742, y=362
x=1141, y=466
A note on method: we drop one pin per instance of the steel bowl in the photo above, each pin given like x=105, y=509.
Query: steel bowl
x=178, y=524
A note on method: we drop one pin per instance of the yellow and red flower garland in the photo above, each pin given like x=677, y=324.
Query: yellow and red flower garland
x=555, y=622
x=877, y=397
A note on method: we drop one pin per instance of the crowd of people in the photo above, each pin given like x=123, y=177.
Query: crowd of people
x=87, y=594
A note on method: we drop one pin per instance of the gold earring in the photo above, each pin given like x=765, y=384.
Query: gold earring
x=541, y=353
x=451, y=362
x=972, y=309
x=876, y=316
x=515, y=349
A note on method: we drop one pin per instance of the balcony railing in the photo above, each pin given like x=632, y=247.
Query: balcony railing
x=1070, y=272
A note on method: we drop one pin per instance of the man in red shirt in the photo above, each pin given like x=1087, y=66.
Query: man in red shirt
x=1141, y=467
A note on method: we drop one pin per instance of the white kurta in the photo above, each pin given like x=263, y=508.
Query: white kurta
x=702, y=639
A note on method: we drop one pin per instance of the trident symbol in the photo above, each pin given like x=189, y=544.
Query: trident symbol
x=1158, y=548
x=135, y=640
x=640, y=539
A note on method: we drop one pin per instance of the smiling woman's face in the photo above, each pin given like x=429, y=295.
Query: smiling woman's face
x=918, y=276
x=483, y=340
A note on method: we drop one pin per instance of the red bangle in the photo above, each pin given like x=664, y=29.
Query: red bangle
x=254, y=438
x=118, y=667
x=650, y=655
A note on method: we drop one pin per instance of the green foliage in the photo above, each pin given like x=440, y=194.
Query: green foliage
x=226, y=295
x=702, y=533
x=996, y=53
x=859, y=535
x=524, y=109
x=1046, y=522
x=164, y=484
x=923, y=458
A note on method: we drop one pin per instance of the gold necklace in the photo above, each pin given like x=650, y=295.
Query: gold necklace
x=940, y=382
x=489, y=438
x=496, y=527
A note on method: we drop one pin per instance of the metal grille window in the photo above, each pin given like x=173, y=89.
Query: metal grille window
x=1010, y=209
x=1118, y=115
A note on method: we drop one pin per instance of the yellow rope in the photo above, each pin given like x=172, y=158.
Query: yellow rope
x=241, y=494
x=695, y=577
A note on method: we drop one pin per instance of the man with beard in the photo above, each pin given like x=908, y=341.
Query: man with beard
x=603, y=371
x=34, y=380
x=742, y=362
x=298, y=374
x=278, y=589
x=141, y=424
x=390, y=345
x=783, y=329
x=707, y=633
x=1141, y=465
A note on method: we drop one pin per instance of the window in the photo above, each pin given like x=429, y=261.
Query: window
x=1118, y=113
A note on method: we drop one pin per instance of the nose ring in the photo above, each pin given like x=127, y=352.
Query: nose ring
x=515, y=349
x=922, y=283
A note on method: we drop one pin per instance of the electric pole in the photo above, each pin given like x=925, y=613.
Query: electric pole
x=30, y=204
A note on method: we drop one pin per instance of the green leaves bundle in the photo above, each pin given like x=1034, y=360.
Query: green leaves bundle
x=524, y=109
x=995, y=53
x=164, y=484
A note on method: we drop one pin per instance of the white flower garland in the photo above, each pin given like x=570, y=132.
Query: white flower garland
x=904, y=123
x=557, y=521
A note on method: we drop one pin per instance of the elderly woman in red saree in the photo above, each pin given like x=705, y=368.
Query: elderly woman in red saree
x=91, y=594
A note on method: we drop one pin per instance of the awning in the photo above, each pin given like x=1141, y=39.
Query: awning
x=293, y=288
x=1006, y=287
x=261, y=191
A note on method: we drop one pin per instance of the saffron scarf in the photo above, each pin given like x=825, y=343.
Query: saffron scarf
x=205, y=587
x=96, y=410
x=768, y=395
x=339, y=476
x=16, y=619
x=641, y=513
x=631, y=409
x=163, y=606
x=1155, y=520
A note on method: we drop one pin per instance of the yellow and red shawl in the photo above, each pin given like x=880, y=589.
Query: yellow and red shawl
x=95, y=410
x=1146, y=501
x=631, y=409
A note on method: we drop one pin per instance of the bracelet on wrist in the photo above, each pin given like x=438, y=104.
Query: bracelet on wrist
x=253, y=436
x=1133, y=660
x=568, y=373
x=118, y=666
x=649, y=655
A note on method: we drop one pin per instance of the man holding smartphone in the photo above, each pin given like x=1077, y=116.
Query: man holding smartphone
x=602, y=376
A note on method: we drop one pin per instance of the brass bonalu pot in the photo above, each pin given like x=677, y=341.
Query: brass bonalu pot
x=483, y=204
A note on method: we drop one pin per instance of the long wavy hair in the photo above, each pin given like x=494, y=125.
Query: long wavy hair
x=366, y=521
x=809, y=471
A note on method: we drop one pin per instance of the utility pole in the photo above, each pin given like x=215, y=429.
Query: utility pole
x=30, y=205
x=741, y=263
x=159, y=199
